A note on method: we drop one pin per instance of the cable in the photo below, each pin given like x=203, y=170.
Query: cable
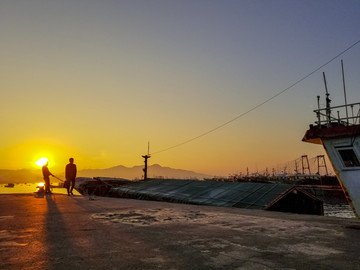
x=260, y=104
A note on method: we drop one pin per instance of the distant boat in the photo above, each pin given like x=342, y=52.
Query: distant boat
x=10, y=185
x=340, y=136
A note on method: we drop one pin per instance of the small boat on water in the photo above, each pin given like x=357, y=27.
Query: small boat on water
x=10, y=185
x=338, y=129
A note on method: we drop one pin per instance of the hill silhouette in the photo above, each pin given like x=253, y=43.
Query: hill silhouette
x=135, y=172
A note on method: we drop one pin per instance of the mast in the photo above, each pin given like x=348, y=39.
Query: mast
x=318, y=111
x=346, y=107
x=323, y=164
x=146, y=157
x=328, y=101
x=305, y=165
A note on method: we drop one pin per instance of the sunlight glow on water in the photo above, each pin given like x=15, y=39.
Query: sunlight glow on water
x=31, y=188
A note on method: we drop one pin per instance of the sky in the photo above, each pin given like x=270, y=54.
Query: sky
x=98, y=80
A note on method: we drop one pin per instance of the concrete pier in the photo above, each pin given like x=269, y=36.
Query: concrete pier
x=61, y=232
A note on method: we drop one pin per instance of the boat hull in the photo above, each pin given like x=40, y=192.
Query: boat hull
x=349, y=177
x=342, y=145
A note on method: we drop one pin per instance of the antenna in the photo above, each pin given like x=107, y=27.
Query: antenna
x=346, y=107
x=146, y=159
x=328, y=101
x=318, y=111
x=326, y=89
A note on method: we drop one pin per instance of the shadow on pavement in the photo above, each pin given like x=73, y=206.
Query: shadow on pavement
x=62, y=251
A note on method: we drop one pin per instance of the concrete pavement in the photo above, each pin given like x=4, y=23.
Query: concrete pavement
x=61, y=232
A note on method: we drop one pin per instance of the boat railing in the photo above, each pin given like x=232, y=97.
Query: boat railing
x=346, y=115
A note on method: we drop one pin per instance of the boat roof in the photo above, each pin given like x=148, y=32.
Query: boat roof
x=316, y=133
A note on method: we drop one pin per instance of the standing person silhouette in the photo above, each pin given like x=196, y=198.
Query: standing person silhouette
x=46, y=174
x=70, y=175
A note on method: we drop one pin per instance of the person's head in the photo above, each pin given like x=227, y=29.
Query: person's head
x=71, y=160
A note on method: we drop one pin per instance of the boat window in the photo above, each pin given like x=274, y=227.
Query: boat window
x=349, y=158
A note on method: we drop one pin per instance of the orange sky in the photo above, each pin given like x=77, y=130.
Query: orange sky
x=97, y=80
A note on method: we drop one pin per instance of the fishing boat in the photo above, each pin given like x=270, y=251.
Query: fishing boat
x=337, y=128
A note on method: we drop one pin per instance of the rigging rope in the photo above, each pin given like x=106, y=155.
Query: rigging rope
x=260, y=104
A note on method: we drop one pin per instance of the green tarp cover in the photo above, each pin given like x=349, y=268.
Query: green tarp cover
x=237, y=194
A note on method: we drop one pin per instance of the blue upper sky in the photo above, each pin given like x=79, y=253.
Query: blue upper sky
x=166, y=71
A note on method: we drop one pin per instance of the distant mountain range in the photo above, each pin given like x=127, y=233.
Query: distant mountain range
x=136, y=172
x=20, y=176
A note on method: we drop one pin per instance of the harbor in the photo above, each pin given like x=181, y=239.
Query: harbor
x=61, y=232
x=180, y=135
x=191, y=224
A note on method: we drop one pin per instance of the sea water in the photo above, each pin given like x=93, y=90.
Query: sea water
x=342, y=210
x=31, y=188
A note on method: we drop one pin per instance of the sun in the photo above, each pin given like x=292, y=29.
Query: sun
x=42, y=161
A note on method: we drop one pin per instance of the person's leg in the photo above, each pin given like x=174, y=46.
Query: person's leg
x=72, y=186
x=47, y=185
x=68, y=186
